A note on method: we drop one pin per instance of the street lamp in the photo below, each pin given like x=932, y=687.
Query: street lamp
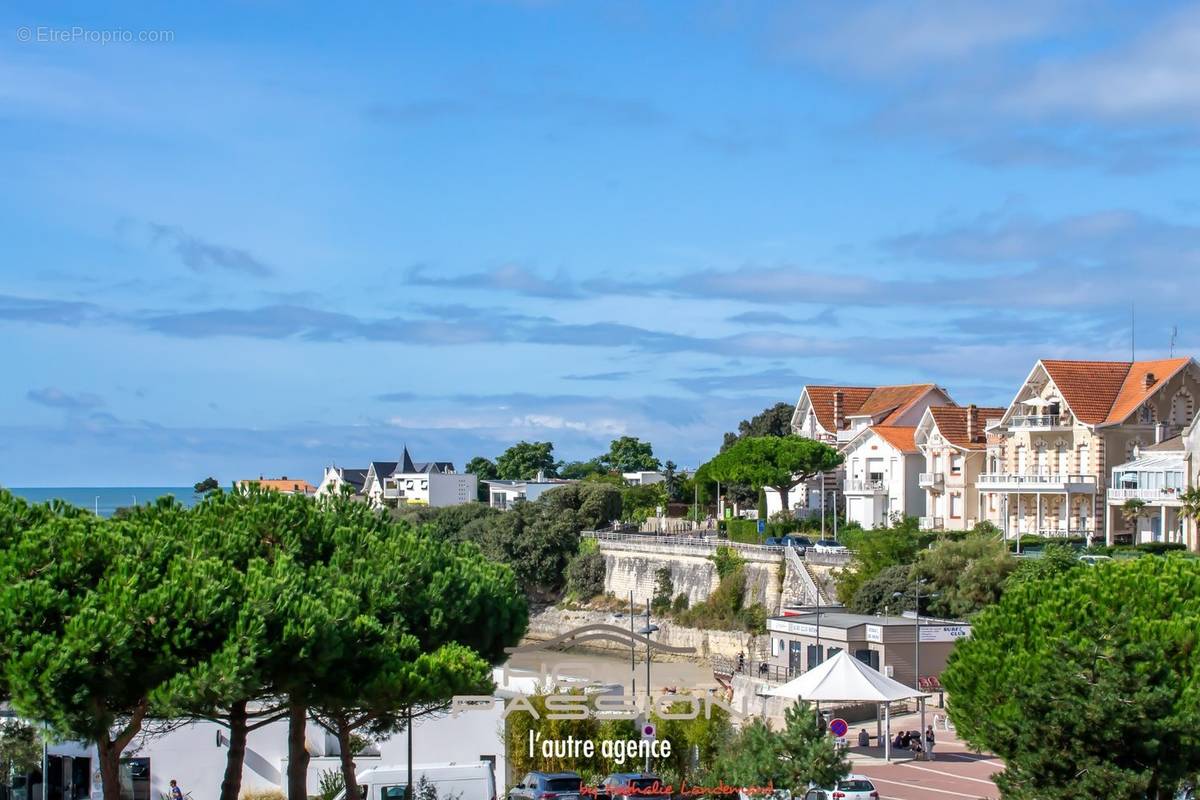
x=646, y=631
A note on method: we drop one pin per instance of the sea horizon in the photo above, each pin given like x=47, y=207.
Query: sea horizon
x=104, y=500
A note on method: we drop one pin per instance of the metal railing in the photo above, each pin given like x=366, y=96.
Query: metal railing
x=1038, y=421
x=931, y=523
x=753, y=668
x=1017, y=479
x=710, y=543
x=864, y=485
x=931, y=478
x=1124, y=493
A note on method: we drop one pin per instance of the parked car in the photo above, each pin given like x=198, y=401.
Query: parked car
x=547, y=786
x=1092, y=561
x=851, y=787
x=466, y=781
x=801, y=543
x=773, y=541
x=830, y=546
x=625, y=784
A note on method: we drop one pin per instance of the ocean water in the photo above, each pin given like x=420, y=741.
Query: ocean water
x=105, y=499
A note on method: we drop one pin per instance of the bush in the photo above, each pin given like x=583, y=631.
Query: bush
x=728, y=561
x=330, y=784
x=679, y=604
x=660, y=603
x=877, y=594
x=1158, y=548
x=262, y=794
x=585, y=574
x=742, y=530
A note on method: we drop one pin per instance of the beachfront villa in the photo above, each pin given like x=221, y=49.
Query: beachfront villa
x=1050, y=457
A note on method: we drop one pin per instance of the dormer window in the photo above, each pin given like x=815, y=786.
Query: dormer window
x=1146, y=415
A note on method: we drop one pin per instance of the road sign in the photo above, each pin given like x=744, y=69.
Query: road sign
x=762, y=525
x=838, y=727
x=648, y=732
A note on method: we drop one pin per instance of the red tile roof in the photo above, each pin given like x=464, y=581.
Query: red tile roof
x=951, y=422
x=1108, y=391
x=901, y=437
x=865, y=400
x=1134, y=392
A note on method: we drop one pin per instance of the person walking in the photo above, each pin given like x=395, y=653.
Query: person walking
x=929, y=742
x=176, y=792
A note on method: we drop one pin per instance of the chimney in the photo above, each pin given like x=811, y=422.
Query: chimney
x=1160, y=432
x=1149, y=380
x=839, y=410
x=972, y=422
x=541, y=476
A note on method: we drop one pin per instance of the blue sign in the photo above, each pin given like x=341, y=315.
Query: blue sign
x=762, y=525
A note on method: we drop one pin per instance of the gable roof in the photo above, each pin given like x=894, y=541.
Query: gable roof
x=1134, y=392
x=354, y=477
x=951, y=422
x=865, y=401
x=1101, y=392
x=901, y=437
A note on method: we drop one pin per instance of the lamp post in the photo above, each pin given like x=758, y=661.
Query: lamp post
x=646, y=631
x=632, y=651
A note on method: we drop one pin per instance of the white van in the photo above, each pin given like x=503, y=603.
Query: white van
x=472, y=781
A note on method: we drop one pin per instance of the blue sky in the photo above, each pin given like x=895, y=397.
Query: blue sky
x=290, y=237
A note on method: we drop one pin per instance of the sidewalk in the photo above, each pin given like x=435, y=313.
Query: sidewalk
x=954, y=773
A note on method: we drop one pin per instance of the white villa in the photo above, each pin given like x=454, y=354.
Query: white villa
x=408, y=482
x=1156, y=477
x=1050, y=456
x=953, y=441
x=882, y=468
x=837, y=415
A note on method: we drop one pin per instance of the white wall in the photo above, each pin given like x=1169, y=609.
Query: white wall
x=191, y=756
x=452, y=490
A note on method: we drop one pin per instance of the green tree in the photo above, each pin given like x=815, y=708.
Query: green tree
x=1104, y=659
x=1191, y=503
x=642, y=501
x=629, y=454
x=586, y=571
x=664, y=588
x=207, y=485
x=799, y=754
x=578, y=470
x=20, y=751
x=524, y=460
x=878, y=594
x=874, y=551
x=419, y=620
x=777, y=462
x=1056, y=560
x=773, y=421
x=1133, y=510
x=967, y=575
x=134, y=590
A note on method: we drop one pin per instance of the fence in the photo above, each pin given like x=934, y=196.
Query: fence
x=707, y=542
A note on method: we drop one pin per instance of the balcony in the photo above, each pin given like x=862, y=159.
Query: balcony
x=1046, y=482
x=1040, y=422
x=931, y=523
x=1145, y=495
x=931, y=480
x=864, y=486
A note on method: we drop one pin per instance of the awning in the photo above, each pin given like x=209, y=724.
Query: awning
x=844, y=678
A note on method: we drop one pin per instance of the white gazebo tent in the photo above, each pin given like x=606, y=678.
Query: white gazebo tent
x=845, y=679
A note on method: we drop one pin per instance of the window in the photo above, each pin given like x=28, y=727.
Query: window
x=1083, y=455
x=408, y=484
x=955, y=506
x=392, y=792
x=956, y=464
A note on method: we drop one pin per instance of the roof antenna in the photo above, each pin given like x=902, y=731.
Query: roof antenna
x=1174, y=336
x=1132, y=334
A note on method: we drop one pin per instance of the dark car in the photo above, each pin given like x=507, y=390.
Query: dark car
x=773, y=541
x=801, y=543
x=626, y=784
x=547, y=786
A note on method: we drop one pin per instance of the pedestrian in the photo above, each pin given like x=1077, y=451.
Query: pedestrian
x=864, y=738
x=929, y=742
x=741, y=661
x=176, y=792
